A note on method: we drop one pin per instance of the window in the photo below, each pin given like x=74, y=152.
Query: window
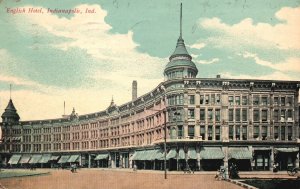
x=210, y=133
x=276, y=133
x=230, y=100
x=264, y=100
x=213, y=99
x=244, y=100
x=218, y=133
x=201, y=99
x=276, y=99
x=264, y=131
x=290, y=132
x=230, y=132
x=191, y=114
x=180, y=131
x=230, y=115
x=217, y=117
x=282, y=130
x=202, y=132
x=202, y=114
x=238, y=100
x=237, y=114
x=264, y=115
x=192, y=99
x=290, y=115
x=218, y=99
x=206, y=99
x=210, y=115
x=256, y=115
x=237, y=132
x=191, y=131
x=256, y=100
x=282, y=115
x=276, y=115
x=244, y=115
x=289, y=101
x=282, y=101
x=244, y=133
x=256, y=132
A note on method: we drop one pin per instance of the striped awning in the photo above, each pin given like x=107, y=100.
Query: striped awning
x=211, y=153
x=54, y=157
x=172, y=154
x=138, y=155
x=192, y=154
x=35, y=158
x=64, y=159
x=239, y=153
x=181, y=154
x=45, y=158
x=25, y=158
x=295, y=149
x=73, y=158
x=158, y=155
x=101, y=156
x=14, y=159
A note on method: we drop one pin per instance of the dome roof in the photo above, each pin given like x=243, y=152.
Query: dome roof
x=180, y=50
x=179, y=63
x=11, y=112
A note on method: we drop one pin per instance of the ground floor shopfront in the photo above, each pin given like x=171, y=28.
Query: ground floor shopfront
x=179, y=157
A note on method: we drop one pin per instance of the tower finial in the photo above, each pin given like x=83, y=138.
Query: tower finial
x=9, y=91
x=180, y=20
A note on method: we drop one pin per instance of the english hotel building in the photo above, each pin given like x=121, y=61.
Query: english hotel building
x=209, y=122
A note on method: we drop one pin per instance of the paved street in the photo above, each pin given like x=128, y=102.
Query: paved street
x=96, y=178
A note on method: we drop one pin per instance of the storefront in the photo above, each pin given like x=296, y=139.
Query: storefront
x=241, y=157
x=286, y=157
x=211, y=158
x=261, y=159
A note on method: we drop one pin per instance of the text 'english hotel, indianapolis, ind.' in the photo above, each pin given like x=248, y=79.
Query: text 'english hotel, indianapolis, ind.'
x=209, y=122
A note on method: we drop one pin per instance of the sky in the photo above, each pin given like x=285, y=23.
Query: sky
x=88, y=57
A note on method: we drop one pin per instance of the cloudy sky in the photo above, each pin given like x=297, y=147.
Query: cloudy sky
x=85, y=58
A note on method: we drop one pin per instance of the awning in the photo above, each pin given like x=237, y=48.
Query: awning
x=73, y=158
x=172, y=154
x=158, y=155
x=192, y=154
x=181, y=154
x=138, y=155
x=239, y=153
x=45, y=158
x=53, y=157
x=211, y=153
x=101, y=156
x=25, y=158
x=295, y=149
x=14, y=159
x=35, y=158
x=63, y=159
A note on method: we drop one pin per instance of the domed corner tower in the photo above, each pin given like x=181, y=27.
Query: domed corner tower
x=10, y=115
x=180, y=63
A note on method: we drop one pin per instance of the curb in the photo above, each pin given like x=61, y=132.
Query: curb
x=241, y=184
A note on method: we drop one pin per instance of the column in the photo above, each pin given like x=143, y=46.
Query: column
x=89, y=165
x=297, y=160
x=225, y=161
x=198, y=157
x=252, y=160
x=272, y=158
x=80, y=160
x=185, y=127
x=206, y=132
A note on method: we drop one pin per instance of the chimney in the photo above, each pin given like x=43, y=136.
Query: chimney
x=134, y=90
x=218, y=76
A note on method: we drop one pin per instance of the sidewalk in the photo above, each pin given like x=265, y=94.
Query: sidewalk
x=243, y=174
